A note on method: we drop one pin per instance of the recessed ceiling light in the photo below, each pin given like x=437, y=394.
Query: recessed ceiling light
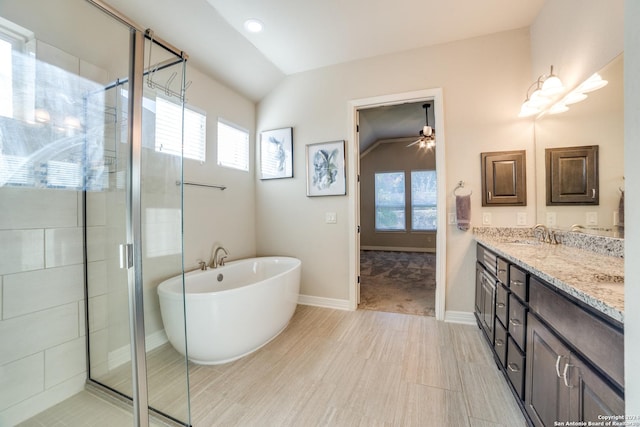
x=253, y=25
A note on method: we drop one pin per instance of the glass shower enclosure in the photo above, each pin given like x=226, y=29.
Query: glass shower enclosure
x=91, y=190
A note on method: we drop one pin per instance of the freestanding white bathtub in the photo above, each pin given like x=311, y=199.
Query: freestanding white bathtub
x=231, y=311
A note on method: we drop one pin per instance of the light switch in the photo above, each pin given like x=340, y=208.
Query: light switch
x=451, y=218
x=521, y=218
x=616, y=218
x=592, y=218
x=330, y=217
x=486, y=218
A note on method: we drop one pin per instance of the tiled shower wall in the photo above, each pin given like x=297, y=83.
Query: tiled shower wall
x=42, y=327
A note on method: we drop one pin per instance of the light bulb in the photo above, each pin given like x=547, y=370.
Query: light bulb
x=253, y=25
x=594, y=82
x=552, y=86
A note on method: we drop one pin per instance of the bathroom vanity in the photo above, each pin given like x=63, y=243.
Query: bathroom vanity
x=553, y=317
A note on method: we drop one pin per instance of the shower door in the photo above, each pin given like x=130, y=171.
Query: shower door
x=139, y=241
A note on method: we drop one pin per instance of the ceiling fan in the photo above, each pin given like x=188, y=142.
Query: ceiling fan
x=427, y=134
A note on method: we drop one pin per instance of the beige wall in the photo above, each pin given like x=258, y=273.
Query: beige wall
x=392, y=156
x=214, y=217
x=483, y=81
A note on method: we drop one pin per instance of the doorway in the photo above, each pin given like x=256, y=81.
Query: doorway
x=393, y=265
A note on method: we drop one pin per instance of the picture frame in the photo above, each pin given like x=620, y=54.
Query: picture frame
x=276, y=153
x=326, y=171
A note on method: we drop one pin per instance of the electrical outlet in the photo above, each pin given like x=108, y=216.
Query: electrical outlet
x=521, y=218
x=451, y=218
x=330, y=218
x=486, y=218
x=592, y=218
x=551, y=219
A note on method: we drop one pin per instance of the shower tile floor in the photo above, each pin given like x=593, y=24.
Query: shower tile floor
x=398, y=282
x=334, y=368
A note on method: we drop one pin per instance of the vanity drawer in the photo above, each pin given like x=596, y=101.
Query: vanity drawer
x=600, y=341
x=502, y=304
x=500, y=344
x=515, y=367
x=518, y=282
x=486, y=258
x=503, y=272
x=517, y=321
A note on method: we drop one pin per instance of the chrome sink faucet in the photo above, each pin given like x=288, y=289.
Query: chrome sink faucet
x=218, y=261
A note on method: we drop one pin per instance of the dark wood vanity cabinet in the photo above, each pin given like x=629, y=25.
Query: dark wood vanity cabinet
x=504, y=178
x=575, y=365
x=562, y=360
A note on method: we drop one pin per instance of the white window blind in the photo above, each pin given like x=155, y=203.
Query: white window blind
x=233, y=146
x=169, y=130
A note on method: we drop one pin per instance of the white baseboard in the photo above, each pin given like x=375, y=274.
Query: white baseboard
x=123, y=354
x=340, y=304
x=464, y=317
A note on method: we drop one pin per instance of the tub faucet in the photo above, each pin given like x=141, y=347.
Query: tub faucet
x=218, y=261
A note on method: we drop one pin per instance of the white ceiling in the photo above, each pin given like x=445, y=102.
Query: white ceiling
x=301, y=35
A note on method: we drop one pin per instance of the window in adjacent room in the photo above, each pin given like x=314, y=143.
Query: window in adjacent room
x=390, y=201
x=424, y=200
x=169, y=130
x=233, y=146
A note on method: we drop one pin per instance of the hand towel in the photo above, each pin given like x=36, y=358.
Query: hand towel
x=621, y=210
x=463, y=212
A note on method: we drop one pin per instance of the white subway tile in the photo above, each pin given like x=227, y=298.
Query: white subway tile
x=64, y=362
x=96, y=244
x=35, y=332
x=21, y=379
x=82, y=319
x=98, y=312
x=21, y=250
x=96, y=208
x=37, y=208
x=41, y=289
x=63, y=246
x=97, y=278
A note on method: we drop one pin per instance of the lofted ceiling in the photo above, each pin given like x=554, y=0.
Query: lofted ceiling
x=301, y=35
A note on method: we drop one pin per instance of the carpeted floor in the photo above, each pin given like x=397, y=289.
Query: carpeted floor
x=398, y=282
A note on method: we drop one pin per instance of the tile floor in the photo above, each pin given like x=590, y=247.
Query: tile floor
x=339, y=368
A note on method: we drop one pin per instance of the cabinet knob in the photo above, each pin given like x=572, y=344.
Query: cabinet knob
x=499, y=343
x=515, y=322
x=502, y=270
x=517, y=282
x=593, y=193
x=501, y=305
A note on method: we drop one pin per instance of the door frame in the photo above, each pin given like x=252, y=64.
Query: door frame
x=353, y=168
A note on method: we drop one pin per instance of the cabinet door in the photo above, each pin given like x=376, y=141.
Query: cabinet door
x=546, y=395
x=591, y=396
x=489, y=301
x=504, y=178
x=572, y=175
x=478, y=301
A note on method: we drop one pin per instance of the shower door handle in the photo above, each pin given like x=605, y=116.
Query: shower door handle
x=126, y=256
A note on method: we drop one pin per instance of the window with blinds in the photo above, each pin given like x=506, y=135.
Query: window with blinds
x=233, y=146
x=169, y=130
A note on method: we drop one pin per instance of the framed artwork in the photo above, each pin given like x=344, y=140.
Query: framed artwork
x=276, y=153
x=326, y=174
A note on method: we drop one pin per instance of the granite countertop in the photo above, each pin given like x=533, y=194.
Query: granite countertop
x=595, y=279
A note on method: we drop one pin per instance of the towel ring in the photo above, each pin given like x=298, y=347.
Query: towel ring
x=459, y=186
